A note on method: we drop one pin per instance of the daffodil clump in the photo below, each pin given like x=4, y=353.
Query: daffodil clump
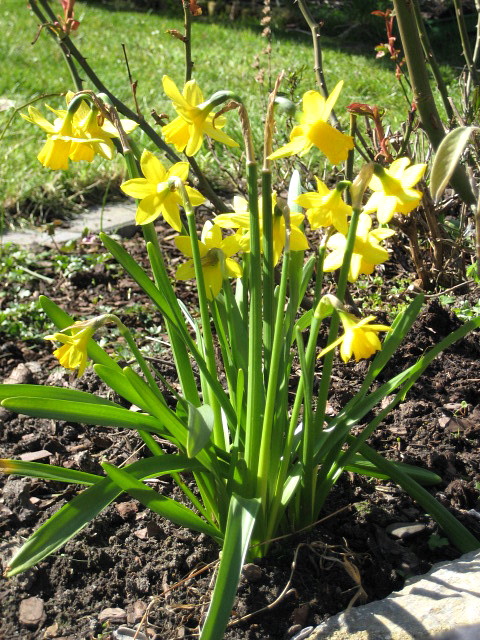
x=263, y=458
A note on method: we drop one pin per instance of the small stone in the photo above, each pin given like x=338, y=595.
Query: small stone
x=141, y=533
x=51, y=631
x=295, y=628
x=135, y=611
x=31, y=612
x=112, y=614
x=404, y=530
x=31, y=456
x=252, y=572
x=304, y=633
x=125, y=633
x=127, y=510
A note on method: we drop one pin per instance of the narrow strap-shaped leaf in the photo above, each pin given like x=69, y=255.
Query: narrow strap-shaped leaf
x=54, y=393
x=423, y=476
x=84, y=413
x=457, y=533
x=77, y=513
x=119, y=383
x=166, y=507
x=165, y=415
x=47, y=472
x=63, y=320
x=240, y=522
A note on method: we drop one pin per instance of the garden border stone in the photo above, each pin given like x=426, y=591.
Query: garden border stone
x=443, y=604
x=116, y=217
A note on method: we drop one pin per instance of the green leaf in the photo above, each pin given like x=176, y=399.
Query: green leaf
x=54, y=393
x=447, y=158
x=458, y=534
x=119, y=383
x=63, y=320
x=200, y=427
x=166, y=416
x=47, y=472
x=423, y=476
x=77, y=513
x=84, y=413
x=166, y=507
x=241, y=519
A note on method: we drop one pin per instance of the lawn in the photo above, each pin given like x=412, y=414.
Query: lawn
x=224, y=56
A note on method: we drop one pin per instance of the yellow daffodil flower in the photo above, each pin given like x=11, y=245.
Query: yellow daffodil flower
x=77, y=136
x=360, y=338
x=155, y=195
x=240, y=219
x=367, y=251
x=393, y=192
x=73, y=353
x=215, y=253
x=186, y=132
x=55, y=152
x=314, y=130
x=326, y=208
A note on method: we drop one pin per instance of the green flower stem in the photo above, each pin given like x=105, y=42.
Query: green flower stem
x=179, y=350
x=272, y=399
x=268, y=268
x=209, y=350
x=335, y=323
x=285, y=464
x=255, y=390
x=322, y=250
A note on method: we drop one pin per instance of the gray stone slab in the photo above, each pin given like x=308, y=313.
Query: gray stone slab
x=446, y=599
x=115, y=217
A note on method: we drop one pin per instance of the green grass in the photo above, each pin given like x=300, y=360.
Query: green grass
x=224, y=55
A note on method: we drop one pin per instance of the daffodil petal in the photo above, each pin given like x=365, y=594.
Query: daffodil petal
x=331, y=100
x=149, y=209
x=185, y=271
x=173, y=93
x=152, y=168
x=184, y=243
x=170, y=210
x=180, y=170
x=138, y=188
x=234, y=270
x=413, y=174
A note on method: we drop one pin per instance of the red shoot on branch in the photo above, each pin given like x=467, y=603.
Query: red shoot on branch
x=376, y=114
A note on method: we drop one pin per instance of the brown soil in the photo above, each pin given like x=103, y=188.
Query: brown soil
x=128, y=556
